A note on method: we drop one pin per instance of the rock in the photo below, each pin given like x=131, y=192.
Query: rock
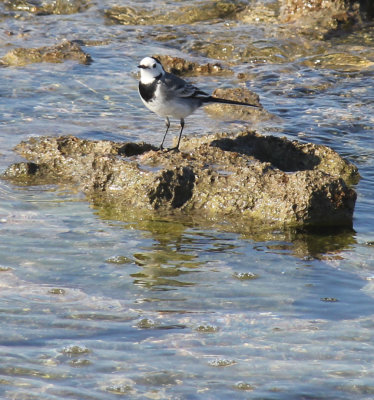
x=45, y=8
x=203, y=11
x=238, y=94
x=234, y=47
x=250, y=178
x=241, y=113
x=55, y=54
x=339, y=61
x=325, y=16
x=367, y=9
x=180, y=66
x=291, y=10
x=260, y=12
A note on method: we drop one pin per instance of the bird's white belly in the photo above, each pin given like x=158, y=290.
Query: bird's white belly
x=174, y=108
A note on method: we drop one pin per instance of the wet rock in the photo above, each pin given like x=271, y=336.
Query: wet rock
x=293, y=9
x=55, y=54
x=260, y=12
x=367, y=9
x=47, y=7
x=249, y=177
x=339, y=61
x=180, y=66
x=239, y=47
x=242, y=113
x=238, y=94
x=326, y=16
x=203, y=11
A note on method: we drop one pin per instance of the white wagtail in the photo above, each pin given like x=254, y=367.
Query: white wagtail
x=169, y=96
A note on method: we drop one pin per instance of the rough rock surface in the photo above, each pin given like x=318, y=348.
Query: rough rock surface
x=248, y=178
x=326, y=14
x=39, y=7
x=203, y=11
x=180, y=66
x=54, y=54
x=226, y=111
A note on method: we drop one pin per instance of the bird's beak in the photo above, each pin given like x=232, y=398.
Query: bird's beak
x=142, y=66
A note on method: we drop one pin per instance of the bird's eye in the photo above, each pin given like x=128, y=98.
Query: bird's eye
x=154, y=65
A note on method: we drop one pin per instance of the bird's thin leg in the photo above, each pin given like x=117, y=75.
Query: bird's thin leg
x=167, y=122
x=180, y=135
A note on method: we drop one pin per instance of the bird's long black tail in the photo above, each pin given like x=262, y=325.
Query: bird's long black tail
x=212, y=99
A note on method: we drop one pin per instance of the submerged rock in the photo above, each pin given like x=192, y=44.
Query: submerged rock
x=249, y=177
x=340, y=62
x=54, y=54
x=203, y=11
x=47, y=7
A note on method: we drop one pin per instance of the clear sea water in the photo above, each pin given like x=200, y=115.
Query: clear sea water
x=99, y=306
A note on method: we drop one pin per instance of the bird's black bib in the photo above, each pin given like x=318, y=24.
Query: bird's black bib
x=147, y=91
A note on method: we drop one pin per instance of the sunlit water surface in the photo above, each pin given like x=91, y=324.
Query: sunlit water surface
x=96, y=306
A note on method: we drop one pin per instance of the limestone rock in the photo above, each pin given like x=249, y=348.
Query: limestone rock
x=250, y=177
x=189, y=14
x=180, y=66
x=326, y=16
x=39, y=7
x=54, y=54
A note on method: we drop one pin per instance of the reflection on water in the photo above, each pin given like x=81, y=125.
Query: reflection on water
x=112, y=304
x=173, y=239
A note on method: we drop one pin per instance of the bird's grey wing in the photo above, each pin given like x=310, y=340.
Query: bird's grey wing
x=180, y=88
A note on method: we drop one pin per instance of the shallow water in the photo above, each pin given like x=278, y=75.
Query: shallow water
x=96, y=304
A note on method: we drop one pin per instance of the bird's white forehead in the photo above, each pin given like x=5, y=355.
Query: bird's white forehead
x=148, y=61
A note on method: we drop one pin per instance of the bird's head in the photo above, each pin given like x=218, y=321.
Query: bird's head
x=150, y=69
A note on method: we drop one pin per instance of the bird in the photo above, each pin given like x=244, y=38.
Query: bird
x=170, y=96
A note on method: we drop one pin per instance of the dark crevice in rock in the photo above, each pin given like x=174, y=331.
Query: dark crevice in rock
x=174, y=187
x=135, y=149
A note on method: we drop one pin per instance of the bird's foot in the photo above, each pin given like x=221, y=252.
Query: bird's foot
x=175, y=149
